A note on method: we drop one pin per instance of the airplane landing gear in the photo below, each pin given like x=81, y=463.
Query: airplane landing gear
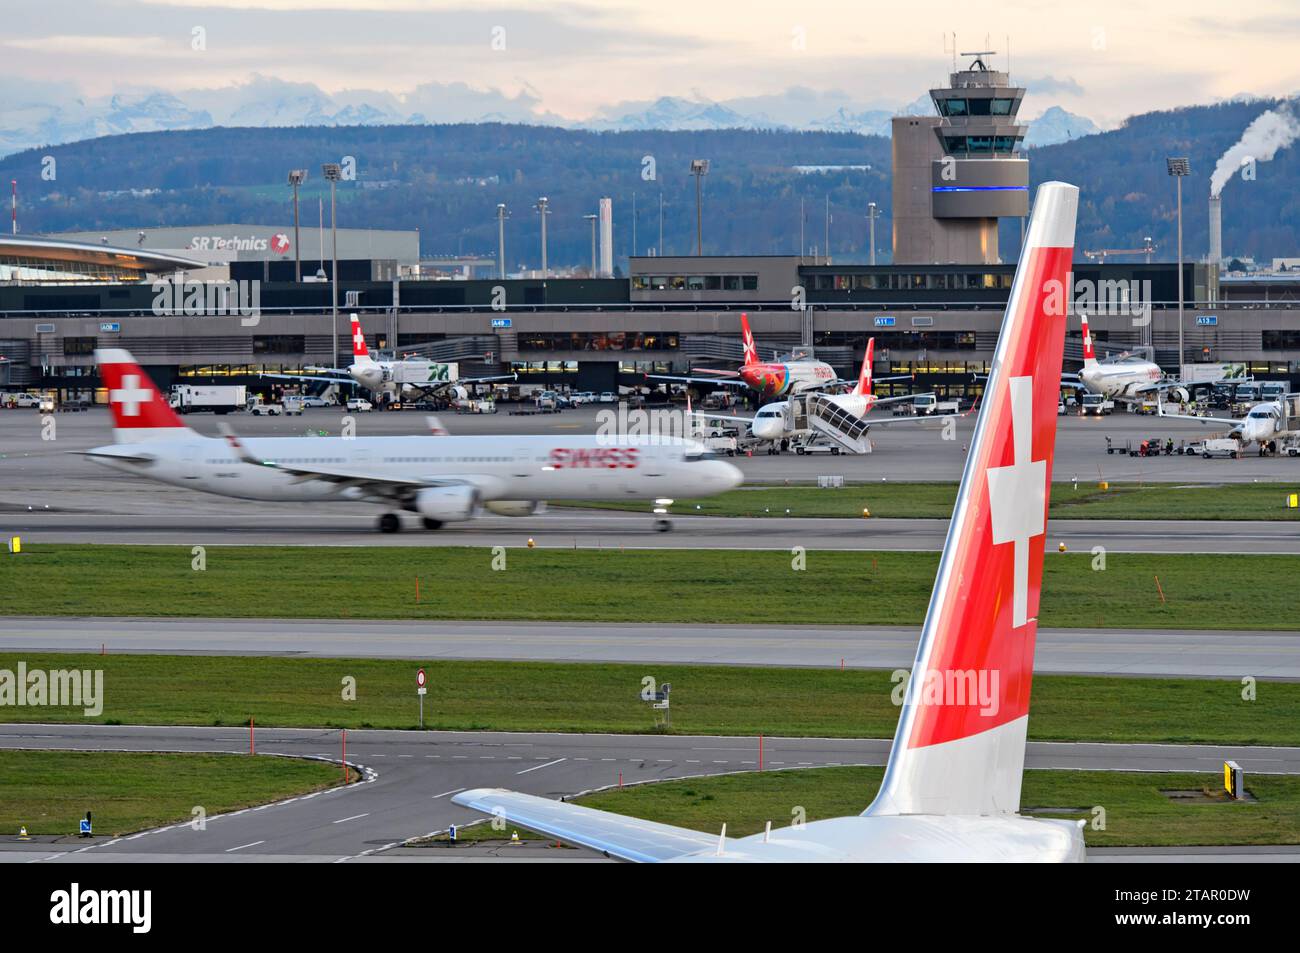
x=663, y=526
x=389, y=523
x=430, y=523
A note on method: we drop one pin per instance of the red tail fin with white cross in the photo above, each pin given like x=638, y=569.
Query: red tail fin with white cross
x=360, y=353
x=140, y=411
x=1089, y=352
x=960, y=744
x=751, y=349
x=864, y=378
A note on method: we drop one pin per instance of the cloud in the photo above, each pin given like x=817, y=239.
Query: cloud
x=1050, y=85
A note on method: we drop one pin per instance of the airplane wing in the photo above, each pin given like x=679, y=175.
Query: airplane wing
x=726, y=381
x=894, y=400
x=617, y=836
x=432, y=387
x=487, y=380
x=710, y=415
x=341, y=377
x=1220, y=422
x=933, y=420
x=119, y=457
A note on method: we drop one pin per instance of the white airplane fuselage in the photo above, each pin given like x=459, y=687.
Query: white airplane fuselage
x=772, y=422
x=499, y=468
x=1120, y=379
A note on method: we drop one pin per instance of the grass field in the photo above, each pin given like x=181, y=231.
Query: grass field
x=537, y=696
x=686, y=586
x=1136, y=812
x=50, y=791
x=1128, y=501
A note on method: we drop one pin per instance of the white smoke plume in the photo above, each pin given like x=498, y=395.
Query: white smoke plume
x=1272, y=130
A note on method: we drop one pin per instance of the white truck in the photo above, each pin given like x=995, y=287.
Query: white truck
x=929, y=405
x=213, y=398
x=1095, y=405
x=723, y=443
x=261, y=408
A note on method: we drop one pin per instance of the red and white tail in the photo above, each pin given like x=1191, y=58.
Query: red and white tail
x=140, y=411
x=1089, y=354
x=960, y=744
x=864, y=377
x=360, y=353
x=751, y=349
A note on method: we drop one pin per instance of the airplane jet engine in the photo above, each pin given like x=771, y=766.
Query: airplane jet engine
x=447, y=504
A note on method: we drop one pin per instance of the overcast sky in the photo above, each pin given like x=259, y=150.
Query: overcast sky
x=577, y=59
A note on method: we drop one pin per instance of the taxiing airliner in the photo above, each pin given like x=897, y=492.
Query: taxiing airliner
x=405, y=377
x=441, y=479
x=951, y=790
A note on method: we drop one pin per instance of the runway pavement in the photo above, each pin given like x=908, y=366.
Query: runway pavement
x=215, y=522
x=52, y=496
x=1132, y=652
x=411, y=776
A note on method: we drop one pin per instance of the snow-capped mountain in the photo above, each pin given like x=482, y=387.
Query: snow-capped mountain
x=675, y=113
x=35, y=116
x=1056, y=125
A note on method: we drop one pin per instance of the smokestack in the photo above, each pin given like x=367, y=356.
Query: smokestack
x=1216, y=248
x=606, y=238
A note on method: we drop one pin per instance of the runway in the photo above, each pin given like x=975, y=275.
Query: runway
x=900, y=453
x=411, y=776
x=51, y=496
x=1136, y=652
x=241, y=523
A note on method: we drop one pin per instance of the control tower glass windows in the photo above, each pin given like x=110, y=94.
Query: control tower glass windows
x=951, y=107
x=980, y=145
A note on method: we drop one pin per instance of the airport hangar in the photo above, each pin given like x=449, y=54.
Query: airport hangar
x=939, y=322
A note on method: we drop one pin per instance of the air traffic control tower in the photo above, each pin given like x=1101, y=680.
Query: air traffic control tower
x=957, y=173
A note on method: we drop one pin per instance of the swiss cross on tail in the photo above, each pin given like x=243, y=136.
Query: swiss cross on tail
x=140, y=412
x=961, y=738
x=359, y=348
x=864, y=378
x=1018, y=496
x=130, y=395
x=1089, y=354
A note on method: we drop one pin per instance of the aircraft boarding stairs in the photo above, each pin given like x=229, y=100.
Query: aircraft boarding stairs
x=823, y=419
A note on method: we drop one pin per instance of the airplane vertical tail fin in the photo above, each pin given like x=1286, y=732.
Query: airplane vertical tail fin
x=960, y=743
x=140, y=411
x=1089, y=353
x=360, y=353
x=864, y=378
x=751, y=349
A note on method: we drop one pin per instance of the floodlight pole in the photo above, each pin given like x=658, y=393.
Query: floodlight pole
x=1179, y=167
x=501, y=239
x=333, y=172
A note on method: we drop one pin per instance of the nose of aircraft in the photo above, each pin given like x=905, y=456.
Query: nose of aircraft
x=727, y=475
